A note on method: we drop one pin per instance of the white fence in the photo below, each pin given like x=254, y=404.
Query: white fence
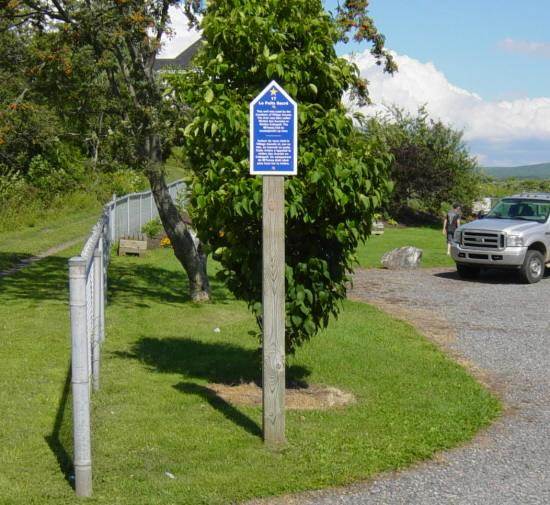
x=127, y=214
x=88, y=288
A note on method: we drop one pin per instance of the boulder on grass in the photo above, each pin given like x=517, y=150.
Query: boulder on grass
x=402, y=258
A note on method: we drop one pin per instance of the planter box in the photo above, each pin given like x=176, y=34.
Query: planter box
x=377, y=228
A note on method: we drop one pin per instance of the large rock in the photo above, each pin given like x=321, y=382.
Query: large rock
x=401, y=258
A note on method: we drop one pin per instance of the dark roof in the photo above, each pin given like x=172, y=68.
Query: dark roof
x=181, y=60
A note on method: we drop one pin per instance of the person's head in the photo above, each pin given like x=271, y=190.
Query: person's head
x=456, y=207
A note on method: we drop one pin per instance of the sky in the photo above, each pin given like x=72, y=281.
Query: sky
x=481, y=66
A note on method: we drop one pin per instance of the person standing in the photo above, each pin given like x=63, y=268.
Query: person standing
x=451, y=223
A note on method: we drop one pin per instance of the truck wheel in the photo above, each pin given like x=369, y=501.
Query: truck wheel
x=467, y=271
x=532, y=269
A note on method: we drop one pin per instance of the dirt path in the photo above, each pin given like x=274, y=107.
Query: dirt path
x=33, y=259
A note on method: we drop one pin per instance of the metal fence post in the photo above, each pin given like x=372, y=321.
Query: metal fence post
x=140, y=198
x=80, y=378
x=112, y=219
x=103, y=286
x=96, y=339
x=128, y=215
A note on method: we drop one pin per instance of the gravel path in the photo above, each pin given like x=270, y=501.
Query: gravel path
x=503, y=329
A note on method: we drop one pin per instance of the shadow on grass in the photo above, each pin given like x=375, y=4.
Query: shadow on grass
x=129, y=284
x=218, y=362
x=45, y=280
x=9, y=260
x=214, y=362
x=137, y=284
x=60, y=439
x=221, y=405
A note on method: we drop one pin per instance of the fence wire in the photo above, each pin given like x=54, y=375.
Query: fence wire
x=128, y=214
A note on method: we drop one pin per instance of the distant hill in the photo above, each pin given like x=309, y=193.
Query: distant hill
x=538, y=171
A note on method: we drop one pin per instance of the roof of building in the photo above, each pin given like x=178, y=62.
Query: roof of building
x=181, y=60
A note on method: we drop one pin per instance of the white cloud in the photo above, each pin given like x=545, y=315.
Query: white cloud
x=513, y=131
x=419, y=83
x=182, y=36
x=525, y=47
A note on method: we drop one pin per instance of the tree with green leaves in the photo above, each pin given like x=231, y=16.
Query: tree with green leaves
x=431, y=166
x=330, y=204
x=94, y=59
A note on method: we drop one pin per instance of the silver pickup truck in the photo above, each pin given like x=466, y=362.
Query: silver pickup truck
x=514, y=234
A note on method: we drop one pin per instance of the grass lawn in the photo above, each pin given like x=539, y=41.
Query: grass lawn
x=37, y=231
x=155, y=414
x=430, y=240
x=49, y=231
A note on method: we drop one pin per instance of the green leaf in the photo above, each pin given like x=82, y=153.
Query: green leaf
x=209, y=96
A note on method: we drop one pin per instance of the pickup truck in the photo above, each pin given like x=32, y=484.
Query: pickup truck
x=514, y=234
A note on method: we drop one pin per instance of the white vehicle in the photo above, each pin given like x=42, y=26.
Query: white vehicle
x=515, y=234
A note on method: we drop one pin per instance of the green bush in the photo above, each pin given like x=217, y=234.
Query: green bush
x=329, y=205
x=152, y=228
x=432, y=167
x=120, y=182
x=12, y=187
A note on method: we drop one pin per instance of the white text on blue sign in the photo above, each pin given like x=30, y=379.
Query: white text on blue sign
x=273, y=133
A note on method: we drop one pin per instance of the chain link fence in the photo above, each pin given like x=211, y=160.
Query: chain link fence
x=128, y=214
x=88, y=296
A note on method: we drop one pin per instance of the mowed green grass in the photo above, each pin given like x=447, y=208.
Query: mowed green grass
x=155, y=414
x=47, y=231
x=432, y=242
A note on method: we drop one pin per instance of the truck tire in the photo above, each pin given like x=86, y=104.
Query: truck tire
x=467, y=271
x=532, y=269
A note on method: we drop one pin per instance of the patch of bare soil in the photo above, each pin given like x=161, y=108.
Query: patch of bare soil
x=313, y=397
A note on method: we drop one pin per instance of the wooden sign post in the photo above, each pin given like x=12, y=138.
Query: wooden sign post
x=273, y=154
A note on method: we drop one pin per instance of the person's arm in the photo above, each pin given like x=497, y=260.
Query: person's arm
x=445, y=227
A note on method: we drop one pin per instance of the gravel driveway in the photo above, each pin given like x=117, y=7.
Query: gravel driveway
x=502, y=328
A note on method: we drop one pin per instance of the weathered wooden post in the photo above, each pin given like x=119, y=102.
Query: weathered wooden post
x=273, y=310
x=80, y=378
x=273, y=154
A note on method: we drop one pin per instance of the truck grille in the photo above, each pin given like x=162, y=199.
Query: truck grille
x=482, y=239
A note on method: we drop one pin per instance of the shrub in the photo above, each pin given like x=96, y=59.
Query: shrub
x=152, y=228
x=432, y=167
x=329, y=205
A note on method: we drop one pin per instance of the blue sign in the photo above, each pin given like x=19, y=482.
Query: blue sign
x=273, y=133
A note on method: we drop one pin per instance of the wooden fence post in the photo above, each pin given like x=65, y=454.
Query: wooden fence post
x=80, y=377
x=273, y=311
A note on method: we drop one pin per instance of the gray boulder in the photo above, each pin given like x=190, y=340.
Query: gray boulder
x=402, y=258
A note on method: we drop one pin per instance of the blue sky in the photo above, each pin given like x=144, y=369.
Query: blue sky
x=481, y=66
x=463, y=39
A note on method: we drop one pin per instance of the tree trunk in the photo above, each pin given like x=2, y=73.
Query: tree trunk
x=186, y=245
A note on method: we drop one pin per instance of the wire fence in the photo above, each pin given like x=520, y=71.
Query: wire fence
x=128, y=214
x=88, y=296
x=88, y=287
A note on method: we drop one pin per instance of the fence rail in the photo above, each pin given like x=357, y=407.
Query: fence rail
x=88, y=289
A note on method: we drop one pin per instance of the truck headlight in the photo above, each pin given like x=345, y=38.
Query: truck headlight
x=457, y=236
x=514, y=241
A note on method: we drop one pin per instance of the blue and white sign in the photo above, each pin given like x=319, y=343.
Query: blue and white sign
x=273, y=133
